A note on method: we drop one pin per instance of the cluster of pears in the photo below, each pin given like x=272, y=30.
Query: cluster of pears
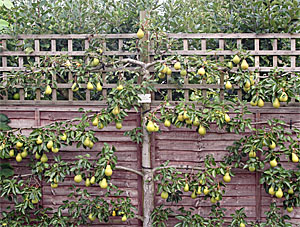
x=88, y=143
x=92, y=217
x=152, y=127
x=236, y=60
x=283, y=98
x=177, y=66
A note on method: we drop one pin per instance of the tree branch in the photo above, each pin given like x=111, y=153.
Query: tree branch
x=177, y=167
x=130, y=170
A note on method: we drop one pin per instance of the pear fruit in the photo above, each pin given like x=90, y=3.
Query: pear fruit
x=244, y=65
x=75, y=87
x=196, y=122
x=95, y=121
x=54, y=185
x=100, y=126
x=98, y=87
x=227, y=178
x=86, y=142
x=227, y=118
x=228, y=85
x=78, y=178
x=55, y=150
x=251, y=168
x=119, y=125
x=198, y=190
x=213, y=200
x=169, y=71
x=201, y=71
x=140, y=34
x=253, y=103
x=93, y=180
x=180, y=117
x=252, y=154
x=164, y=69
x=230, y=65
x=205, y=191
x=87, y=182
x=48, y=90
x=35, y=200
x=177, y=66
x=186, y=187
x=150, y=126
x=39, y=140
x=116, y=110
x=18, y=157
x=194, y=195
x=295, y=158
x=50, y=144
x=276, y=103
x=273, y=163
x=95, y=62
x=124, y=218
x=279, y=193
x=242, y=224
x=11, y=153
x=202, y=130
x=113, y=213
x=63, y=137
x=19, y=145
x=108, y=171
x=44, y=158
x=247, y=84
x=283, y=97
x=260, y=103
x=91, y=144
x=271, y=191
x=236, y=59
x=92, y=217
x=156, y=127
x=16, y=96
x=289, y=209
x=90, y=86
x=164, y=195
x=120, y=87
x=167, y=123
x=272, y=145
x=188, y=121
x=161, y=75
x=24, y=153
x=103, y=183
x=37, y=156
x=291, y=191
x=185, y=115
x=183, y=73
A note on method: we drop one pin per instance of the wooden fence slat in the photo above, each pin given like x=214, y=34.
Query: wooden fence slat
x=37, y=60
x=203, y=48
x=4, y=64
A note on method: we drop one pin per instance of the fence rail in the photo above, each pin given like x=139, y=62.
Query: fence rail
x=218, y=50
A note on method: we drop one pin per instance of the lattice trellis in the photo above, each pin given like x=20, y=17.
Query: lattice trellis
x=219, y=50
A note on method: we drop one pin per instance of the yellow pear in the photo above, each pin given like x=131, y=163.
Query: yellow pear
x=108, y=171
x=198, y=190
x=242, y=224
x=177, y=66
x=213, y=200
x=150, y=127
x=230, y=65
x=202, y=130
x=164, y=69
x=11, y=153
x=167, y=123
x=120, y=87
x=180, y=117
x=91, y=144
x=236, y=59
x=156, y=127
x=253, y=103
x=252, y=154
x=39, y=140
x=90, y=86
x=24, y=153
x=188, y=121
x=19, y=145
x=169, y=71
x=201, y=71
x=289, y=209
x=260, y=103
x=100, y=126
x=54, y=185
x=227, y=118
x=186, y=187
x=116, y=110
x=75, y=87
x=114, y=213
x=87, y=182
x=279, y=193
x=252, y=80
x=276, y=103
x=35, y=200
x=50, y=144
x=37, y=156
x=247, y=84
x=48, y=90
x=63, y=137
x=93, y=179
x=185, y=115
x=161, y=75
x=95, y=62
x=273, y=163
x=44, y=158
x=78, y=178
x=124, y=218
x=95, y=121
x=54, y=150
x=92, y=217
x=295, y=158
x=272, y=145
x=205, y=191
x=164, y=195
x=98, y=86
x=183, y=73
x=228, y=85
x=251, y=168
x=283, y=97
x=194, y=195
x=103, y=183
x=227, y=178
x=196, y=122
x=18, y=157
x=86, y=142
x=291, y=191
x=119, y=125
x=271, y=191
x=244, y=65
x=140, y=34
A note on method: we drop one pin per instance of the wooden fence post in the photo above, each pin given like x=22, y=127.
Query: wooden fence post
x=148, y=183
